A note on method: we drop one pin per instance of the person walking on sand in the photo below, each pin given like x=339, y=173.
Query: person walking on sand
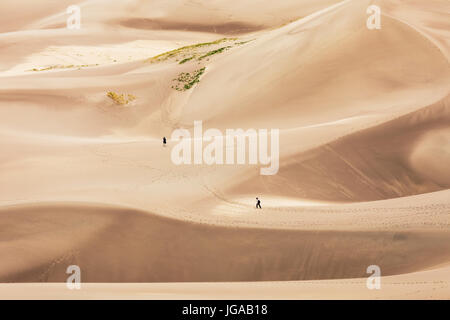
x=164, y=141
x=258, y=203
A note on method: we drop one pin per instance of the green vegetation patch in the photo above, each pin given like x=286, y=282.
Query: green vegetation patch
x=186, y=60
x=210, y=53
x=186, y=80
x=59, y=66
x=183, y=51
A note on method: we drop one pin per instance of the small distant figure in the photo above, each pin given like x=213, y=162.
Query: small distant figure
x=258, y=203
x=164, y=141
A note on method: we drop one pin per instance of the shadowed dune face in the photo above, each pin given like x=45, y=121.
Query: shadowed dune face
x=396, y=159
x=221, y=17
x=431, y=152
x=230, y=28
x=125, y=245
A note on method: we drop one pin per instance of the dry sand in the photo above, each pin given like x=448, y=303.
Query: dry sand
x=364, y=119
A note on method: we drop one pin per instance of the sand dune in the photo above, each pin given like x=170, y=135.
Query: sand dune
x=421, y=285
x=364, y=149
x=124, y=245
x=350, y=169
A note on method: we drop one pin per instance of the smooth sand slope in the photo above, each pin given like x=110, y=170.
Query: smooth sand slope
x=432, y=284
x=364, y=150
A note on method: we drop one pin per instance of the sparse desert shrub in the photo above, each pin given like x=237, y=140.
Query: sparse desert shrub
x=186, y=60
x=210, y=53
x=197, y=51
x=121, y=99
x=59, y=66
x=243, y=42
x=187, y=80
x=186, y=50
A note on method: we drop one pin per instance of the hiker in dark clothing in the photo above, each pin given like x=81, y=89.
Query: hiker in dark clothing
x=258, y=203
x=164, y=141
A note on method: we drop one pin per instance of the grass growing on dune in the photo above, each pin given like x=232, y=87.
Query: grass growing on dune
x=240, y=43
x=58, y=66
x=187, y=80
x=186, y=50
x=198, y=52
x=186, y=60
x=120, y=99
x=210, y=53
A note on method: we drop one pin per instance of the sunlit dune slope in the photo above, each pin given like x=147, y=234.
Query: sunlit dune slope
x=363, y=117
